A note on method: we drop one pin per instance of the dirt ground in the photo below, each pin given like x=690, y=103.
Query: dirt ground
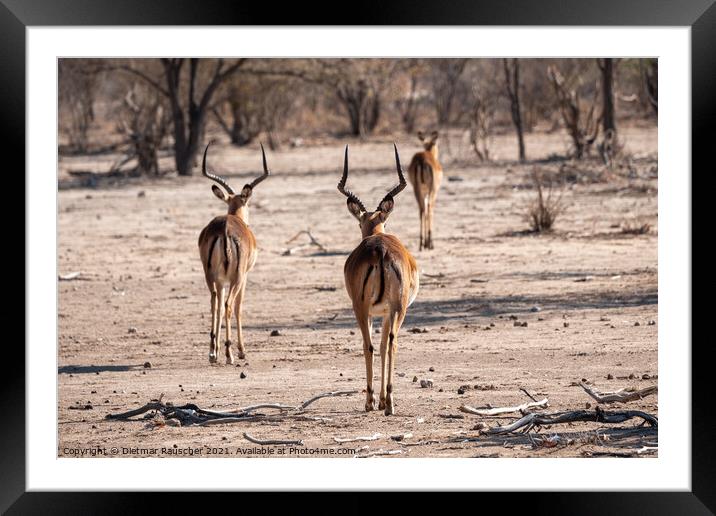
x=588, y=293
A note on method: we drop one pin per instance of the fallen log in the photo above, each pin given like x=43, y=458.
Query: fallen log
x=504, y=410
x=598, y=416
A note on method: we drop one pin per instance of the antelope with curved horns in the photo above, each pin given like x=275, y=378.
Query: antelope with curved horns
x=382, y=280
x=425, y=174
x=228, y=252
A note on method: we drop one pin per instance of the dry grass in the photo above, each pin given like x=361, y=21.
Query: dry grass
x=635, y=228
x=543, y=211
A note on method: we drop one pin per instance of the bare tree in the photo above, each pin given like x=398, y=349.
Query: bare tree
x=650, y=77
x=581, y=125
x=189, y=97
x=483, y=109
x=512, y=87
x=144, y=121
x=78, y=85
x=256, y=104
x=607, y=67
x=408, y=105
x=444, y=81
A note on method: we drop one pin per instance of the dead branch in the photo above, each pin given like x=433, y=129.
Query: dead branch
x=313, y=242
x=600, y=416
x=504, y=410
x=631, y=453
x=69, y=276
x=378, y=453
x=373, y=437
x=528, y=394
x=620, y=396
x=271, y=441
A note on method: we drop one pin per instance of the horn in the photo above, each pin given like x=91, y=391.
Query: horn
x=266, y=170
x=213, y=177
x=399, y=187
x=342, y=184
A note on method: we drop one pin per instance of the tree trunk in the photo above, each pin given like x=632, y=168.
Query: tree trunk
x=512, y=78
x=608, y=118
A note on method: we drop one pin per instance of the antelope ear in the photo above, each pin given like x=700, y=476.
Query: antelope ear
x=220, y=193
x=434, y=136
x=246, y=192
x=354, y=208
x=421, y=136
x=386, y=205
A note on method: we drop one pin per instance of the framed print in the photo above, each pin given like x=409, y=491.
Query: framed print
x=446, y=235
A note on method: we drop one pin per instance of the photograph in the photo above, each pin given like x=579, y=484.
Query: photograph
x=357, y=257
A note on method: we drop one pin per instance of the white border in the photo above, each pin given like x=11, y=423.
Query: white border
x=671, y=470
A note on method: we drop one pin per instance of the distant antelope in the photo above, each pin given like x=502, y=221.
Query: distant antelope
x=382, y=280
x=228, y=252
x=425, y=174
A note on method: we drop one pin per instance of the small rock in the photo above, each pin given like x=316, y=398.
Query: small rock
x=147, y=365
x=610, y=376
x=645, y=376
x=401, y=437
x=141, y=194
x=275, y=333
x=631, y=376
x=132, y=329
x=415, y=379
x=93, y=392
x=637, y=324
x=420, y=420
x=513, y=317
x=377, y=330
x=400, y=375
x=535, y=309
x=565, y=324
x=242, y=375
x=418, y=330
x=431, y=369
x=426, y=383
x=652, y=323
x=587, y=405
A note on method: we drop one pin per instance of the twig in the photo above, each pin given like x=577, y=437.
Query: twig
x=504, y=410
x=373, y=437
x=306, y=403
x=528, y=394
x=313, y=242
x=271, y=441
x=620, y=396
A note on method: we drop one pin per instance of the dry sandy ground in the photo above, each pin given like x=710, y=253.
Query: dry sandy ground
x=141, y=297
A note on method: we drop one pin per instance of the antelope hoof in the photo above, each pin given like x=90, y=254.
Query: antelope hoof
x=212, y=358
x=389, y=409
x=381, y=404
x=370, y=403
x=241, y=355
x=229, y=355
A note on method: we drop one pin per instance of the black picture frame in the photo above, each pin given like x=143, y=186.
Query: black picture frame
x=700, y=15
